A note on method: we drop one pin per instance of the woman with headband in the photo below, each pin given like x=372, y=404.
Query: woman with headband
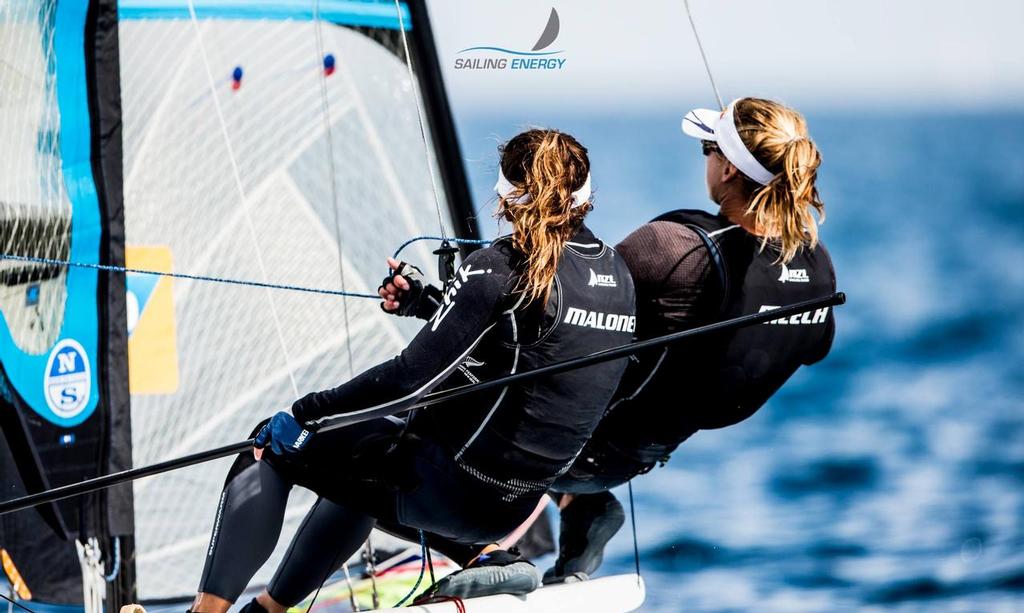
x=759, y=252
x=470, y=469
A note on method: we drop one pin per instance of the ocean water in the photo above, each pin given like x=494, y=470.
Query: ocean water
x=890, y=476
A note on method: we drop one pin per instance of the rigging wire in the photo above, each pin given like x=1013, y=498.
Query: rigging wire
x=241, y=190
x=353, y=603
x=632, y=521
x=325, y=106
x=229, y=280
x=16, y=603
x=423, y=571
x=179, y=275
x=703, y=56
x=419, y=117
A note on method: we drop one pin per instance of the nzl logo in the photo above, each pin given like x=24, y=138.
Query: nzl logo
x=601, y=280
x=490, y=57
x=794, y=275
x=68, y=379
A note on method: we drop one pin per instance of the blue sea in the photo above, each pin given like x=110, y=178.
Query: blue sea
x=890, y=476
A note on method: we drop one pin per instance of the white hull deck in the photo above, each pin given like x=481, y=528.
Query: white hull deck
x=615, y=594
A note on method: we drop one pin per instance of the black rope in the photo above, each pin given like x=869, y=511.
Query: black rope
x=430, y=565
x=330, y=571
x=17, y=604
x=97, y=483
x=632, y=520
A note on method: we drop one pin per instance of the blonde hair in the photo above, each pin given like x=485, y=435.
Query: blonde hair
x=546, y=166
x=776, y=136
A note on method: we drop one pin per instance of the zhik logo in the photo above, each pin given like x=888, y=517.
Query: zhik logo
x=490, y=57
x=794, y=275
x=452, y=290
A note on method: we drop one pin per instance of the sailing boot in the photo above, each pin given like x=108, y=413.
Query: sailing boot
x=495, y=572
x=588, y=523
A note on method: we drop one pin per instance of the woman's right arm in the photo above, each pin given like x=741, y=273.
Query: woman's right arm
x=470, y=308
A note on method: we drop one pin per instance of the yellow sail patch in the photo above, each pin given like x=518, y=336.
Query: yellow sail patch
x=152, y=344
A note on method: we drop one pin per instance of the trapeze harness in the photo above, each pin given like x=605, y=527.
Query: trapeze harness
x=471, y=469
x=718, y=380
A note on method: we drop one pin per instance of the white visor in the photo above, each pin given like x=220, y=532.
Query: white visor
x=504, y=187
x=720, y=127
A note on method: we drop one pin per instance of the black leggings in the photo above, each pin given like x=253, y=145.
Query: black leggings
x=363, y=473
x=248, y=525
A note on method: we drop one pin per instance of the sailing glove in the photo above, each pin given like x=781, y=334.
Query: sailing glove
x=284, y=435
x=420, y=301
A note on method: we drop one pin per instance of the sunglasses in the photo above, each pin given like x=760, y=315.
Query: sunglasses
x=708, y=147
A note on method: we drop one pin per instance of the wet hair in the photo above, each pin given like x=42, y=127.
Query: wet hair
x=776, y=136
x=547, y=166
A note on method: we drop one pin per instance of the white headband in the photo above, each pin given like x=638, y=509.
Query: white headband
x=504, y=187
x=735, y=151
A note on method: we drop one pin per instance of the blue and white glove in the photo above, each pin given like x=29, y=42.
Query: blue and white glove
x=284, y=435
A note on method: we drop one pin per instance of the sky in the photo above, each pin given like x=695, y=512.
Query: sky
x=814, y=54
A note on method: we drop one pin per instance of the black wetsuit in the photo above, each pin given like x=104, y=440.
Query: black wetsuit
x=469, y=470
x=717, y=380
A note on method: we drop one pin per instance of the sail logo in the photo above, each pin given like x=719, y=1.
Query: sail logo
x=68, y=380
x=601, y=280
x=490, y=57
x=794, y=275
x=152, y=336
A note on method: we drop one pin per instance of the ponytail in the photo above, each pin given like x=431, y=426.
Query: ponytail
x=784, y=208
x=546, y=166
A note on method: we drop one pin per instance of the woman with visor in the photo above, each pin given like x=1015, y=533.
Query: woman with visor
x=760, y=251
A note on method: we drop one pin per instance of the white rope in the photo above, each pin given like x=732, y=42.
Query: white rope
x=94, y=588
x=419, y=116
x=326, y=112
x=241, y=191
x=703, y=57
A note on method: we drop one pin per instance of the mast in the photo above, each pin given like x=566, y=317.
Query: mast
x=441, y=122
x=115, y=509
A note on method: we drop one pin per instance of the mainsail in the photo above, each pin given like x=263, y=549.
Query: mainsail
x=277, y=142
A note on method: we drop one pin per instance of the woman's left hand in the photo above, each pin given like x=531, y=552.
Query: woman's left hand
x=394, y=288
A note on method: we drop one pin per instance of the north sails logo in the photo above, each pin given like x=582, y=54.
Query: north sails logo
x=601, y=280
x=489, y=57
x=600, y=321
x=794, y=275
x=805, y=318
